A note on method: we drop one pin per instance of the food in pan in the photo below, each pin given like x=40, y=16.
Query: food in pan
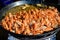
x=31, y=20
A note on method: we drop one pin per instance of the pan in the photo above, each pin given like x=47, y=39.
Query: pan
x=18, y=3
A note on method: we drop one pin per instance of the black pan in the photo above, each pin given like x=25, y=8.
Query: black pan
x=18, y=3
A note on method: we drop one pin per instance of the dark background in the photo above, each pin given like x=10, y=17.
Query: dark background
x=4, y=34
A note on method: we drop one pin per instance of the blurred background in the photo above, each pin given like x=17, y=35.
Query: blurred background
x=3, y=3
x=53, y=2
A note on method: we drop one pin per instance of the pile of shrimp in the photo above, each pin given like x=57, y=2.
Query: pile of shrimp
x=32, y=22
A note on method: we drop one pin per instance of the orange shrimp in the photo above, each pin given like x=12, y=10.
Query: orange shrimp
x=16, y=29
x=48, y=29
x=5, y=24
x=27, y=30
x=32, y=22
x=58, y=19
x=6, y=18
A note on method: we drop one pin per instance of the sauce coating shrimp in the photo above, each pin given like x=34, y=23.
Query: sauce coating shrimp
x=32, y=22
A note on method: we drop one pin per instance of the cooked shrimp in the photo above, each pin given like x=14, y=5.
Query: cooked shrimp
x=32, y=22
x=48, y=29
x=27, y=30
x=5, y=24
